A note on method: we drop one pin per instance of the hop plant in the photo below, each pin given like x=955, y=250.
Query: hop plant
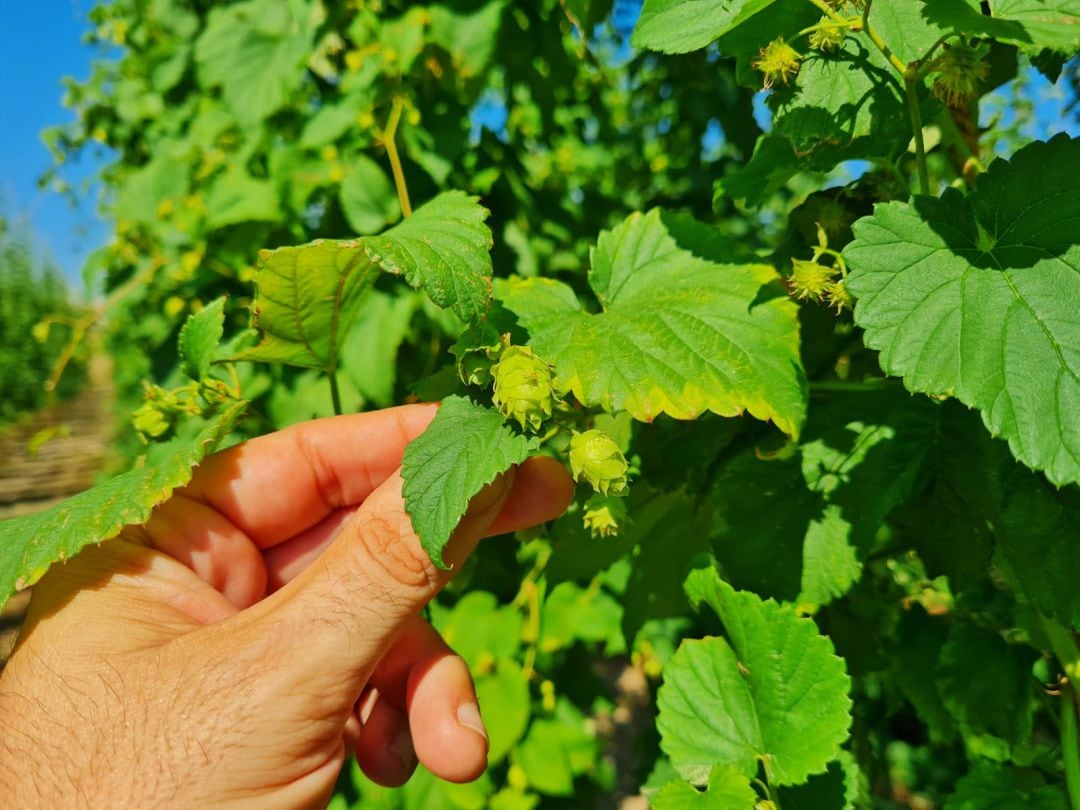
x=958, y=73
x=604, y=516
x=596, y=459
x=809, y=279
x=523, y=387
x=827, y=36
x=778, y=61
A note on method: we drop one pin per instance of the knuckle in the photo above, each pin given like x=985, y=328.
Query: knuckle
x=388, y=544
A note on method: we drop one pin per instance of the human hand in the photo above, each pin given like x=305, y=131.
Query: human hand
x=264, y=623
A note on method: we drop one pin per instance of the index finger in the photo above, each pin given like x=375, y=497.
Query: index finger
x=276, y=486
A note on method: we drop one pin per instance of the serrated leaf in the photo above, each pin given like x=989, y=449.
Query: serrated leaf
x=727, y=790
x=463, y=449
x=1031, y=24
x=367, y=198
x=773, y=693
x=991, y=786
x=306, y=297
x=444, y=249
x=682, y=331
x=199, y=339
x=976, y=297
x=30, y=544
x=254, y=51
x=680, y=26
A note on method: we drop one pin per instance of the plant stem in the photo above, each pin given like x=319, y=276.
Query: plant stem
x=917, y=129
x=829, y=12
x=388, y=138
x=335, y=394
x=1067, y=653
x=1070, y=748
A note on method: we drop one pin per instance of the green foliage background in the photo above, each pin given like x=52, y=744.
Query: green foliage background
x=924, y=580
x=36, y=314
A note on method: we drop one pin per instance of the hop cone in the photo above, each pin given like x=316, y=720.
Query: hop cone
x=523, y=387
x=597, y=459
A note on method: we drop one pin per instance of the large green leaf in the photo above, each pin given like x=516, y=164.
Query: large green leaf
x=30, y=544
x=773, y=693
x=306, y=299
x=309, y=296
x=841, y=97
x=463, y=449
x=255, y=51
x=679, y=26
x=683, y=330
x=977, y=297
x=442, y=248
x=1031, y=24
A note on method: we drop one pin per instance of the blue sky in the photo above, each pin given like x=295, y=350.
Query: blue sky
x=40, y=42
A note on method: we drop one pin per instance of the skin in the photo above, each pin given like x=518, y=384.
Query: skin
x=263, y=625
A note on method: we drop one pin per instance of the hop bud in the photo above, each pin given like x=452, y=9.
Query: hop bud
x=836, y=293
x=604, y=516
x=778, y=61
x=827, y=36
x=523, y=387
x=958, y=73
x=809, y=279
x=597, y=459
x=150, y=421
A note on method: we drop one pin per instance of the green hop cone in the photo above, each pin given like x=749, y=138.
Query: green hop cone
x=597, y=459
x=604, y=516
x=958, y=74
x=523, y=387
x=809, y=279
x=778, y=61
x=150, y=422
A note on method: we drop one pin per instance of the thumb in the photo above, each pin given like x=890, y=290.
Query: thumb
x=338, y=617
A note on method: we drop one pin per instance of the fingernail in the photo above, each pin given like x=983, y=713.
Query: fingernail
x=402, y=748
x=468, y=715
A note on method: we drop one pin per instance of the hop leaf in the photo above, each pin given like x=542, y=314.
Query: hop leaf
x=778, y=61
x=809, y=279
x=597, y=459
x=604, y=516
x=958, y=73
x=523, y=387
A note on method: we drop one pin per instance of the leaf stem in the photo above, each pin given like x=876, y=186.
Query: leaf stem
x=917, y=130
x=388, y=139
x=335, y=393
x=1065, y=649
